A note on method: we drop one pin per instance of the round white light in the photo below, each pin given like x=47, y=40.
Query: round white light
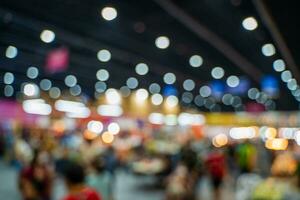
x=125, y=91
x=141, y=69
x=132, y=83
x=172, y=101
x=205, y=91
x=102, y=75
x=162, y=42
x=250, y=23
x=109, y=13
x=187, y=97
x=253, y=93
x=100, y=86
x=292, y=84
x=233, y=81
x=156, y=99
x=268, y=49
x=8, y=90
x=30, y=89
x=154, y=88
x=188, y=85
x=279, y=65
x=286, y=76
x=70, y=80
x=54, y=92
x=217, y=72
x=8, y=78
x=199, y=100
x=11, y=52
x=75, y=91
x=47, y=36
x=113, y=128
x=112, y=96
x=45, y=84
x=141, y=94
x=104, y=55
x=156, y=118
x=169, y=78
x=32, y=72
x=226, y=99
x=196, y=61
x=95, y=126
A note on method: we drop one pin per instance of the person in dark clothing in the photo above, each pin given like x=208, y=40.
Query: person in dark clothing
x=77, y=190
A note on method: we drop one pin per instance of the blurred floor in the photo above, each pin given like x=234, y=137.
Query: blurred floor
x=132, y=187
x=8, y=183
x=128, y=187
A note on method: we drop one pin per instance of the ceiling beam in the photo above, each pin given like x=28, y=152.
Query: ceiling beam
x=277, y=37
x=212, y=38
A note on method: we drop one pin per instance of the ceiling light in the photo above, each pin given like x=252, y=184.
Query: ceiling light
x=45, y=84
x=196, y=61
x=162, y=42
x=189, y=85
x=32, y=72
x=8, y=78
x=47, y=36
x=11, y=52
x=156, y=99
x=279, y=65
x=70, y=80
x=8, y=90
x=205, y=91
x=141, y=69
x=250, y=23
x=132, y=83
x=104, y=55
x=30, y=89
x=169, y=78
x=233, y=81
x=172, y=101
x=54, y=92
x=217, y=72
x=102, y=75
x=100, y=86
x=268, y=49
x=112, y=96
x=109, y=13
x=154, y=88
x=141, y=94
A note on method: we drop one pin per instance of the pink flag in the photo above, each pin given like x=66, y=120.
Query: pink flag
x=57, y=60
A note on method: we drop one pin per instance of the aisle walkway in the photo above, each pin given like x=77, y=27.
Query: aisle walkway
x=131, y=187
x=127, y=187
x=8, y=183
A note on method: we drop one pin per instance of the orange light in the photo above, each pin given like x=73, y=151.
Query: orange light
x=107, y=137
x=58, y=126
x=277, y=144
x=89, y=135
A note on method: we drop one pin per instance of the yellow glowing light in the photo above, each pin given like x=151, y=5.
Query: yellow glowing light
x=113, y=97
x=141, y=95
x=270, y=133
x=277, y=144
x=220, y=140
x=107, y=137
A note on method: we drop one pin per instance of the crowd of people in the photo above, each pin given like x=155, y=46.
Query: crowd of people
x=251, y=171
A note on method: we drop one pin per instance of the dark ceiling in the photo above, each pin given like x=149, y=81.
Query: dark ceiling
x=130, y=38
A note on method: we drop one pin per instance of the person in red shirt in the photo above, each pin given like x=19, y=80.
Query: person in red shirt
x=77, y=190
x=215, y=163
